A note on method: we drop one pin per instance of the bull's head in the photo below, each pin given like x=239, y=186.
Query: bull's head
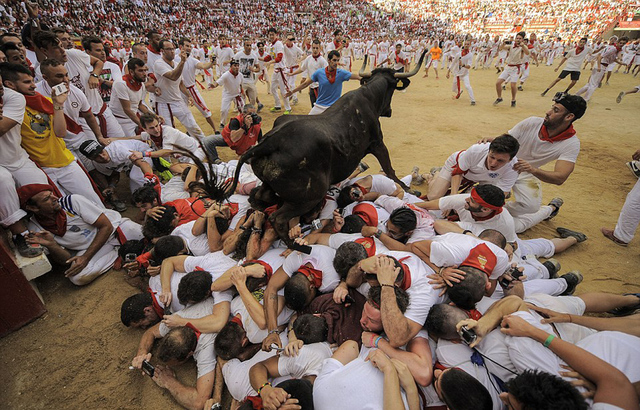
x=388, y=79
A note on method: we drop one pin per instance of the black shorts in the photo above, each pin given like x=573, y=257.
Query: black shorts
x=575, y=75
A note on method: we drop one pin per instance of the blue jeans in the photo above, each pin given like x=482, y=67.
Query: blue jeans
x=210, y=142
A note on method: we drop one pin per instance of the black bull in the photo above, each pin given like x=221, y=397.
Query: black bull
x=302, y=156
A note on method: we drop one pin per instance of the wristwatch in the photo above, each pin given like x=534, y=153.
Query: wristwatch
x=94, y=75
x=216, y=406
x=378, y=233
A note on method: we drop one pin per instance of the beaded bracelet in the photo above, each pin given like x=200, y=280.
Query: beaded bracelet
x=263, y=386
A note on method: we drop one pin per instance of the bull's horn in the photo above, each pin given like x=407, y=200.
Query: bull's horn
x=415, y=69
x=364, y=65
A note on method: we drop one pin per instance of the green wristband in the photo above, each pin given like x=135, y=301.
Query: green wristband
x=549, y=340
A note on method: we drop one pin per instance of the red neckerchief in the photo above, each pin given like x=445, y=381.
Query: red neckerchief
x=237, y=321
x=157, y=140
x=225, y=46
x=617, y=47
x=256, y=402
x=156, y=306
x=473, y=314
x=369, y=245
x=315, y=57
x=439, y=366
x=152, y=50
x=190, y=326
x=464, y=52
x=233, y=209
x=131, y=83
x=495, y=210
x=336, y=45
x=57, y=224
x=314, y=274
x=398, y=59
x=579, y=50
x=39, y=103
x=362, y=189
x=289, y=46
x=331, y=77
x=268, y=270
x=274, y=41
x=406, y=280
x=566, y=134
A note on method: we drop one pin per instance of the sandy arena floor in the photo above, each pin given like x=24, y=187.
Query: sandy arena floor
x=77, y=354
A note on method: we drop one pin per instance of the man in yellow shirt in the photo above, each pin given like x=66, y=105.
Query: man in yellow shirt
x=436, y=54
x=43, y=129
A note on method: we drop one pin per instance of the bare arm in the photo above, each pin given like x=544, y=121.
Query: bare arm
x=417, y=357
x=188, y=397
x=270, y=300
x=560, y=173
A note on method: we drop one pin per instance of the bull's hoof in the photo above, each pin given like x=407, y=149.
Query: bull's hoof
x=415, y=192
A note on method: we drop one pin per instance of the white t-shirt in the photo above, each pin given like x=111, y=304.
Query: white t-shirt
x=236, y=374
x=421, y=295
x=120, y=91
x=224, y=55
x=232, y=84
x=172, y=137
x=356, y=385
x=275, y=49
x=81, y=215
x=574, y=61
x=253, y=331
x=204, y=355
x=119, y=151
x=451, y=249
x=197, y=245
x=170, y=88
x=79, y=66
x=11, y=152
x=308, y=362
x=379, y=183
x=216, y=263
x=321, y=258
x=424, y=221
x=247, y=62
x=311, y=64
x=503, y=222
x=338, y=239
x=189, y=71
x=538, y=152
x=473, y=162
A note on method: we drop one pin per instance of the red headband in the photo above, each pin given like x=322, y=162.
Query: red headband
x=314, y=274
x=368, y=214
x=476, y=197
x=268, y=270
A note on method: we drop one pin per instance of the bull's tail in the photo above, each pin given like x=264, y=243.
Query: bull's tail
x=263, y=148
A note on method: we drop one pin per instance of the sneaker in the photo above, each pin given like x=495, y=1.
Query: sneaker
x=619, y=97
x=572, y=278
x=608, y=233
x=287, y=112
x=221, y=126
x=513, y=104
x=626, y=310
x=556, y=202
x=433, y=170
x=497, y=101
x=520, y=88
x=566, y=233
x=260, y=107
x=118, y=205
x=416, y=177
x=473, y=103
x=553, y=266
x=504, y=87
x=633, y=166
x=275, y=109
x=26, y=250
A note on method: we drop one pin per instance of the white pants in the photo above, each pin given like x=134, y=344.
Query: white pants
x=136, y=176
x=181, y=111
x=251, y=92
x=128, y=126
x=225, y=105
x=317, y=109
x=551, y=287
x=291, y=79
x=279, y=82
x=467, y=85
x=530, y=250
x=71, y=179
x=592, y=84
x=10, y=178
x=198, y=101
x=526, y=221
x=525, y=73
x=103, y=260
x=629, y=216
x=109, y=125
x=527, y=194
x=510, y=74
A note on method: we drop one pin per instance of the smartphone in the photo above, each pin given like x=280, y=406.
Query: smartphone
x=148, y=368
x=276, y=348
x=130, y=257
x=467, y=335
x=349, y=299
x=60, y=88
x=515, y=274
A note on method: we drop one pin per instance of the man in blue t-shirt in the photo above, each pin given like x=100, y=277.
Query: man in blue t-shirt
x=329, y=81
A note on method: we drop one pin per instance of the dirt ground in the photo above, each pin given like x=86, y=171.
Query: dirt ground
x=77, y=354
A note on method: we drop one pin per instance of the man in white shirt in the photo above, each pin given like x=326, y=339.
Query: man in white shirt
x=292, y=56
x=278, y=78
x=191, y=65
x=486, y=164
x=516, y=52
x=170, y=103
x=128, y=94
x=574, y=59
x=309, y=66
x=166, y=140
x=248, y=68
x=543, y=140
x=231, y=81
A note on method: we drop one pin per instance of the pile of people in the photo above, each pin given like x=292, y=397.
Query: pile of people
x=376, y=298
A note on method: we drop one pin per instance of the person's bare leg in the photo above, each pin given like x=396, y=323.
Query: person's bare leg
x=599, y=302
x=514, y=91
x=570, y=86
x=562, y=244
x=499, y=87
x=437, y=187
x=212, y=124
